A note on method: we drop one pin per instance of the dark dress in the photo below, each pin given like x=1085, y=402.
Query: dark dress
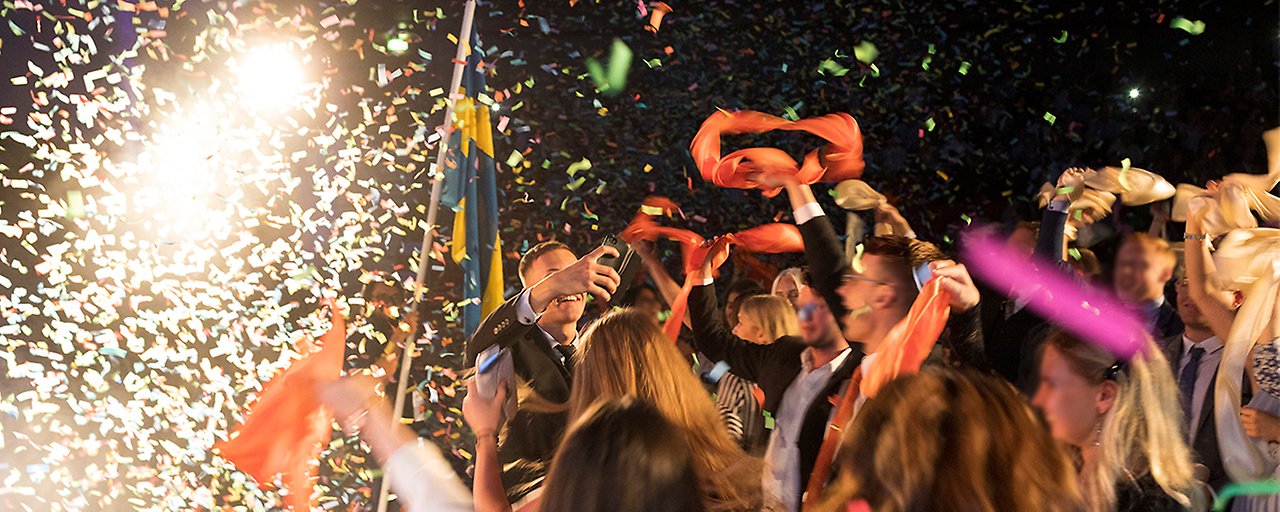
x=1144, y=495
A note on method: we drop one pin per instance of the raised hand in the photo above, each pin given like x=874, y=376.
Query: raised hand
x=955, y=279
x=484, y=415
x=587, y=275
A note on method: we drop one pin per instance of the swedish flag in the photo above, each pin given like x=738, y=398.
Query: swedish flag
x=471, y=192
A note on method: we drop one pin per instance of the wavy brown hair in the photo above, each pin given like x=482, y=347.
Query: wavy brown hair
x=952, y=440
x=625, y=354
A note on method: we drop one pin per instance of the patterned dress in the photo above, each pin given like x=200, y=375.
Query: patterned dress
x=1266, y=370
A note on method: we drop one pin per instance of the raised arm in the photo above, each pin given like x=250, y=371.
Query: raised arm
x=667, y=286
x=712, y=337
x=484, y=416
x=822, y=248
x=1051, y=242
x=1202, y=274
x=419, y=473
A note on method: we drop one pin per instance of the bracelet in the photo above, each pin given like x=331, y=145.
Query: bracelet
x=487, y=433
x=1188, y=236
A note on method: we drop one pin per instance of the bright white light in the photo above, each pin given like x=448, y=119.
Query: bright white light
x=270, y=76
x=1134, y=93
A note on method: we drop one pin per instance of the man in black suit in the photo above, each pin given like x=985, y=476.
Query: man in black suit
x=1193, y=357
x=539, y=327
x=1144, y=264
x=800, y=376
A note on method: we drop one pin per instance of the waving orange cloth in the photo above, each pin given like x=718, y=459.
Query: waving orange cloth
x=769, y=238
x=906, y=346
x=901, y=352
x=840, y=159
x=285, y=427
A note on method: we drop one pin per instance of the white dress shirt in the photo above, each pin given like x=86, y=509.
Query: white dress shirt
x=525, y=314
x=425, y=481
x=782, y=459
x=1204, y=375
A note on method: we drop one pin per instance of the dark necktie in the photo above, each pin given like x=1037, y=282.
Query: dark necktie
x=1187, y=382
x=567, y=351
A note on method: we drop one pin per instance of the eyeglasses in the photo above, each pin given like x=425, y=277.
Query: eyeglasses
x=854, y=277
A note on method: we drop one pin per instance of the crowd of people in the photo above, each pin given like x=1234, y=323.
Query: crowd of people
x=840, y=387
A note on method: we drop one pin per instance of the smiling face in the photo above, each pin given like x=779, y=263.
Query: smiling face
x=561, y=310
x=1141, y=270
x=817, y=324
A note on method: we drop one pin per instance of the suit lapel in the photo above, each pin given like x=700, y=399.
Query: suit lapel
x=540, y=340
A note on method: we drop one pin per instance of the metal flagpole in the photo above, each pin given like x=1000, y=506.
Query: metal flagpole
x=428, y=237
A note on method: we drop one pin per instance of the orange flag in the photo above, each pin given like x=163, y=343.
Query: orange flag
x=907, y=345
x=769, y=238
x=284, y=428
x=840, y=159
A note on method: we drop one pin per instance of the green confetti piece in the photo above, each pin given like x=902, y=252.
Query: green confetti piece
x=967, y=219
x=865, y=52
x=1124, y=174
x=653, y=63
x=768, y=420
x=578, y=166
x=875, y=71
x=964, y=67
x=1062, y=38
x=576, y=184
x=613, y=81
x=830, y=66
x=514, y=159
x=1194, y=28
x=1244, y=489
x=1075, y=253
x=925, y=63
x=1050, y=117
x=75, y=204
x=929, y=124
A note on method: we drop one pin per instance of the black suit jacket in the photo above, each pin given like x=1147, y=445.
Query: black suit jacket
x=1013, y=341
x=773, y=367
x=1204, y=447
x=530, y=439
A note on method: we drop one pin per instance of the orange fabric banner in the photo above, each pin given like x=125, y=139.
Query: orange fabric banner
x=284, y=429
x=769, y=238
x=840, y=159
x=907, y=345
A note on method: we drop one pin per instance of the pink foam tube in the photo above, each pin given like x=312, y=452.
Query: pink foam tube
x=1086, y=311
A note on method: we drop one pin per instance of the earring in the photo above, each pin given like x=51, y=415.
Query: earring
x=1097, y=440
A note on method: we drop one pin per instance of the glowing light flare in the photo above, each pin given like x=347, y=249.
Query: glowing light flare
x=271, y=77
x=1134, y=93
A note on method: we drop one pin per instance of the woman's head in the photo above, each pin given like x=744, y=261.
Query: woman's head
x=787, y=284
x=1126, y=413
x=951, y=440
x=624, y=354
x=622, y=455
x=765, y=318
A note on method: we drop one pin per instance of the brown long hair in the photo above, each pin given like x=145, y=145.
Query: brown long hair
x=949, y=439
x=625, y=354
x=1141, y=433
x=622, y=455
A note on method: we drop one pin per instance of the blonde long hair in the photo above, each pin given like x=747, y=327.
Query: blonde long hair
x=1141, y=432
x=948, y=439
x=775, y=315
x=625, y=354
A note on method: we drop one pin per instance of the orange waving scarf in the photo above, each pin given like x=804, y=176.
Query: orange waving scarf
x=840, y=159
x=907, y=345
x=768, y=238
x=284, y=428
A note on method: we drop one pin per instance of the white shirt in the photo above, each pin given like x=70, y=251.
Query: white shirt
x=1204, y=376
x=782, y=460
x=425, y=481
x=525, y=314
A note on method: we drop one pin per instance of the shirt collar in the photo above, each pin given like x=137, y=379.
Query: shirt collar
x=806, y=359
x=1210, y=345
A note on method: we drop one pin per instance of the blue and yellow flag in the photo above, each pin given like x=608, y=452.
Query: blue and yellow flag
x=471, y=192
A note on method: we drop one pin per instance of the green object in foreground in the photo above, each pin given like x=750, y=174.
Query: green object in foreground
x=613, y=81
x=1245, y=489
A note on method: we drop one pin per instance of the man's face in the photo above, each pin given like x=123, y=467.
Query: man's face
x=817, y=324
x=561, y=310
x=1187, y=309
x=1140, y=273
x=857, y=292
x=1022, y=240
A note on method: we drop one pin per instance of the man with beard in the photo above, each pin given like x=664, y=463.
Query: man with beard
x=538, y=327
